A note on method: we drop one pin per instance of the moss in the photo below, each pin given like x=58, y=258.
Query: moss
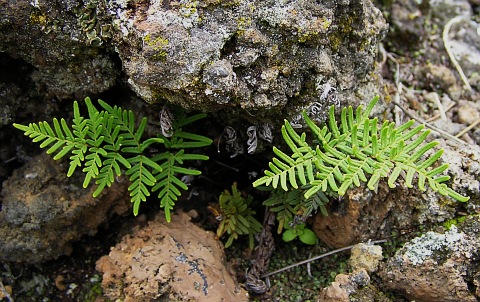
x=37, y=17
x=344, y=29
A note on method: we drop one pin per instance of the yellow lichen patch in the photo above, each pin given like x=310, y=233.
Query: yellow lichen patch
x=159, y=46
x=243, y=24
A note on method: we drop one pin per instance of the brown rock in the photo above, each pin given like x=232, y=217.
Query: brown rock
x=344, y=286
x=468, y=113
x=44, y=211
x=177, y=261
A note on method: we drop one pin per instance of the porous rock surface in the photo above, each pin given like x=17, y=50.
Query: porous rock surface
x=43, y=212
x=177, y=261
x=208, y=55
x=435, y=267
x=356, y=286
x=55, y=38
x=252, y=54
x=362, y=214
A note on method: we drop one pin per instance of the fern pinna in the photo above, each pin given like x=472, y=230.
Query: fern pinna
x=109, y=142
x=355, y=151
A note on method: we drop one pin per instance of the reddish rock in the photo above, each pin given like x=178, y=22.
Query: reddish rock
x=177, y=261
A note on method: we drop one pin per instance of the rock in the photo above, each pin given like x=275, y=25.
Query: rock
x=246, y=54
x=253, y=55
x=468, y=113
x=464, y=43
x=476, y=136
x=356, y=286
x=438, y=75
x=445, y=10
x=447, y=126
x=351, y=287
x=433, y=267
x=362, y=214
x=365, y=256
x=174, y=261
x=43, y=211
x=407, y=22
x=61, y=41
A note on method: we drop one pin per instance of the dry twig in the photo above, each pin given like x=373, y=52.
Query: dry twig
x=446, y=43
x=459, y=134
x=421, y=121
x=316, y=258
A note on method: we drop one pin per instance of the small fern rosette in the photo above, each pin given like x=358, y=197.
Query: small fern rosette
x=236, y=217
x=108, y=143
x=356, y=150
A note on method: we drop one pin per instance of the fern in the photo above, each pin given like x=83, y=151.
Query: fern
x=108, y=143
x=236, y=217
x=172, y=162
x=292, y=205
x=356, y=150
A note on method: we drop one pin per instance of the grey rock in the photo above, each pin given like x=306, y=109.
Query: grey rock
x=464, y=43
x=434, y=267
x=58, y=38
x=246, y=54
x=407, y=22
x=445, y=10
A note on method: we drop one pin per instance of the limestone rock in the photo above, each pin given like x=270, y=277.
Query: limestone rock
x=351, y=287
x=253, y=55
x=177, y=261
x=43, y=211
x=356, y=286
x=434, y=267
x=365, y=256
x=468, y=112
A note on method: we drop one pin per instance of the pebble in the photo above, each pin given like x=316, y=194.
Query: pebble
x=467, y=113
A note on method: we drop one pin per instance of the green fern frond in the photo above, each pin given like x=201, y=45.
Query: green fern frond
x=109, y=141
x=169, y=184
x=356, y=151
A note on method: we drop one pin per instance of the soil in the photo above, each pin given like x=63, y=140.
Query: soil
x=424, y=70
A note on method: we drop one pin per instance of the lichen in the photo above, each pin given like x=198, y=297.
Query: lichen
x=242, y=24
x=159, y=45
x=422, y=248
